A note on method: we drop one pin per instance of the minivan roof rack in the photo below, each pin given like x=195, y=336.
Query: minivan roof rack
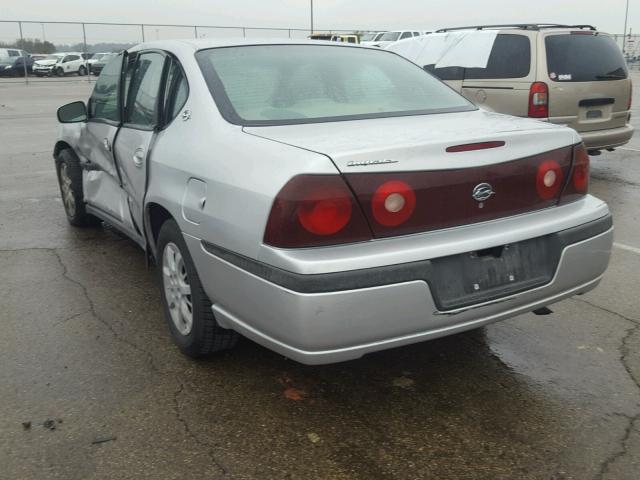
x=523, y=26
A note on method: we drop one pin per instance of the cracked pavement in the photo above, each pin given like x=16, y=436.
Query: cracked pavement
x=83, y=341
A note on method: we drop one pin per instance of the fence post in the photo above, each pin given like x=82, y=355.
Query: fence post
x=86, y=60
x=142, y=29
x=195, y=31
x=24, y=60
x=244, y=32
x=289, y=33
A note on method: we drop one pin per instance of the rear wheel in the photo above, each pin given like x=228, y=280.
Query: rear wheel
x=70, y=181
x=186, y=306
x=82, y=71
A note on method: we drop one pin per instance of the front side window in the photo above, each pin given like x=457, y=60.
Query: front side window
x=584, y=58
x=144, y=87
x=103, y=104
x=14, y=53
x=405, y=35
x=285, y=84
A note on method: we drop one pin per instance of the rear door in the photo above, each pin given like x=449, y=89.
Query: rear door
x=504, y=84
x=142, y=117
x=589, y=85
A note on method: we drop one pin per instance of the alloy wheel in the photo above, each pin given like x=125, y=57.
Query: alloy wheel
x=177, y=290
x=68, y=197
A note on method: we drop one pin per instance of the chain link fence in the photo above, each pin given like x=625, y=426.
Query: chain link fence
x=101, y=37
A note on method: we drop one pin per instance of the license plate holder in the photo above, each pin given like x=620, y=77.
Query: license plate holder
x=475, y=277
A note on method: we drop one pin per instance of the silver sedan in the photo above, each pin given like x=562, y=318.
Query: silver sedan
x=327, y=200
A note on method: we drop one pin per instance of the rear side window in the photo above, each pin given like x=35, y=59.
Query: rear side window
x=142, y=99
x=584, y=58
x=176, y=92
x=509, y=58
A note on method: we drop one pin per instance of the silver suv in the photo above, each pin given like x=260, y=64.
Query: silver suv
x=570, y=75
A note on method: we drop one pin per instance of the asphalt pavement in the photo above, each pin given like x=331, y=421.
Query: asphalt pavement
x=91, y=386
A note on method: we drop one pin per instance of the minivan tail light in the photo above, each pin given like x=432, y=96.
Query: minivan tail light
x=539, y=100
x=314, y=210
x=578, y=184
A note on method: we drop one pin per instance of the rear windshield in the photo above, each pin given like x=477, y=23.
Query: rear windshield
x=510, y=58
x=285, y=84
x=584, y=58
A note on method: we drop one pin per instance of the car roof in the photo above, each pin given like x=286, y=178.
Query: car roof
x=204, y=43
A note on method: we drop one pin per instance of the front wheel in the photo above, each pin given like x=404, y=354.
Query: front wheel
x=70, y=181
x=186, y=306
x=60, y=72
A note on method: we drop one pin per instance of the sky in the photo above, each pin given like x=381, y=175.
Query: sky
x=328, y=14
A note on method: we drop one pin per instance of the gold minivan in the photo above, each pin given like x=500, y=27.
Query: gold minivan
x=571, y=75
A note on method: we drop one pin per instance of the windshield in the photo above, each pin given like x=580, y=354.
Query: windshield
x=389, y=37
x=584, y=58
x=367, y=37
x=286, y=84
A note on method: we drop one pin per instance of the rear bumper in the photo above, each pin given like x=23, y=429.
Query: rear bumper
x=318, y=326
x=601, y=139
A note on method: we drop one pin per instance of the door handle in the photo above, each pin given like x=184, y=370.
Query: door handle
x=138, y=157
x=106, y=144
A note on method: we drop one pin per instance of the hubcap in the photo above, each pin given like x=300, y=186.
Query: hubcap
x=177, y=291
x=68, y=199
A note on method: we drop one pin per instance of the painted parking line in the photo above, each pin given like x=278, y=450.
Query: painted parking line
x=629, y=149
x=628, y=248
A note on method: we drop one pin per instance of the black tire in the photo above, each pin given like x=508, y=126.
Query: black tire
x=206, y=336
x=68, y=166
x=82, y=71
x=60, y=72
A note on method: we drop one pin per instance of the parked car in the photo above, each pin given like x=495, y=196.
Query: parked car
x=388, y=38
x=335, y=37
x=99, y=64
x=95, y=57
x=46, y=66
x=570, y=75
x=327, y=200
x=370, y=38
x=62, y=64
x=13, y=61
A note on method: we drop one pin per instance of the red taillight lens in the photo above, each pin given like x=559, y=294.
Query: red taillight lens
x=325, y=211
x=393, y=203
x=539, y=100
x=578, y=184
x=549, y=179
x=314, y=210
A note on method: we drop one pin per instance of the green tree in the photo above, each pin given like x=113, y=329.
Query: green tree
x=31, y=45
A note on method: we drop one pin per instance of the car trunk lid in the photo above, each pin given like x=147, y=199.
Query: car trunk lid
x=449, y=186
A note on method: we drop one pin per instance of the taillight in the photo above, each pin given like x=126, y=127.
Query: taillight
x=539, y=100
x=578, y=184
x=393, y=203
x=313, y=210
x=549, y=179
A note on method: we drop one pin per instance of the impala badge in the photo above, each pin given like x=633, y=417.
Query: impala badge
x=366, y=163
x=482, y=192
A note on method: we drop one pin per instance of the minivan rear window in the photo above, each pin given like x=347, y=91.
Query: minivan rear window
x=509, y=58
x=584, y=58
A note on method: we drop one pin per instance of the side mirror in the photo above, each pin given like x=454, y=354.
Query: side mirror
x=72, y=113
